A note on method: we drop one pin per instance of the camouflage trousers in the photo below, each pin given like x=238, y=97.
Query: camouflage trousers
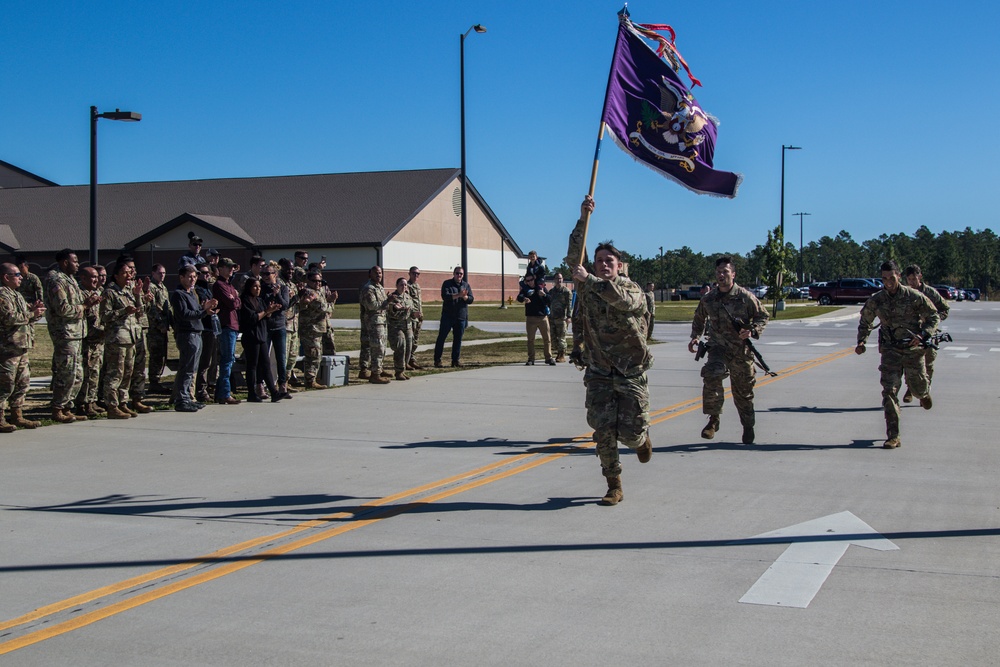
x=312, y=351
x=738, y=366
x=15, y=377
x=364, y=352
x=415, y=327
x=329, y=342
x=377, y=342
x=895, y=364
x=119, y=361
x=291, y=350
x=401, y=339
x=618, y=411
x=93, y=359
x=558, y=328
x=156, y=342
x=137, y=385
x=538, y=324
x=67, y=372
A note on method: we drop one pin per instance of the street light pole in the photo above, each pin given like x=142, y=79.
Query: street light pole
x=783, y=149
x=465, y=221
x=117, y=114
x=802, y=275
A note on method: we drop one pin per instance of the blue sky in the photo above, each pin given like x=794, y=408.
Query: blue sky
x=894, y=104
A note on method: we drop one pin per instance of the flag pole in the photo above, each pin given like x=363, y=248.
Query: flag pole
x=574, y=255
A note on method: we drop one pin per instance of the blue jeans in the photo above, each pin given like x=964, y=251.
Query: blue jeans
x=457, y=328
x=278, y=339
x=227, y=356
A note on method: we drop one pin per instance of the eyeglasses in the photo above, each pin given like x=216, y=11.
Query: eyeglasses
x=267, y=273
x=196, y=244
x=15, y=275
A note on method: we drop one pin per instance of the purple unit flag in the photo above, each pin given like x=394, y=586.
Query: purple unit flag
x=655, y=118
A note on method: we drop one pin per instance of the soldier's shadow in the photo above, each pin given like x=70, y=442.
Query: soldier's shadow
x=818, y=410
x=550, y=446
x=718, y=446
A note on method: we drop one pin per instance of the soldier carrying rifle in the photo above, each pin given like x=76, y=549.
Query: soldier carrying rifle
x=730, y=315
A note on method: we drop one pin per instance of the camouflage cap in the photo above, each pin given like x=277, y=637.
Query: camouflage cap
x=299, y=274
x=225, y=261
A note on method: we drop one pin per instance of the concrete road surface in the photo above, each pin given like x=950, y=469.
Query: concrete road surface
x=453, y=520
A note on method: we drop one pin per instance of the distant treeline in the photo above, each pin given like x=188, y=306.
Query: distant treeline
x=962, y=259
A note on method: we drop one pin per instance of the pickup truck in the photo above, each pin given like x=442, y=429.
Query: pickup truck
x=845, y=290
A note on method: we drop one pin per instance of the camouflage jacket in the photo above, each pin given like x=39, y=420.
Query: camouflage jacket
x=416, y=296
x=940, y=305
x=95, y=332
x=399, y=310
x=64, y=306
x=16, y=332
x=313, y=315
x=31, y=289
x=609, y=318
x=120, y=327
x=560, y=299
x=142, y=317
x=292, y=313
x=721, y=315
x=159, y=309
x=373, y=300
x=900, y=315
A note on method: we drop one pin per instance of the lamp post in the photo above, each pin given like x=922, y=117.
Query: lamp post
x=117, y=114
x=783, y=149
x=503, y=277
x=802, y=275
x=661, y=273
x=465, y=221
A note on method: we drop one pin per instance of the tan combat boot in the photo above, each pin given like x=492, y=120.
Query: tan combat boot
x=363, y=374
x=17, y=419
x=645, y=450
x=141, y=408
x=115, y=412
x=400, y=375
x=713, y=425
x=614, y=494
x=62, y=417
x=378, y=377
x=124, y=407
x=4, y=426
x=90, y=409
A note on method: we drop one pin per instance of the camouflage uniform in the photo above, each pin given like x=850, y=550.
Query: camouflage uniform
x=65, y=319
x=31, y=289
x=560, y=299
x=291, y=327
x=159, y=324
x=416, y=323
x=650, y=313
x=312, y=327
x=943, y=310
x=728, y=354
x=16, y=338
x=373, y=300
x=901, y=315
x=364, y=352
x=137, y=384
x=121, y=334
x=93, y=353
x=609, y=321
x=399, y=315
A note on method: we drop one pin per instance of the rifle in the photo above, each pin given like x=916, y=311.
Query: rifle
x=740, y=325
x=933, y=342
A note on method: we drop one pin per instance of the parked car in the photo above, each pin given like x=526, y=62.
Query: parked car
x=971, y=294
x=845, y=290
x=810, y=287
x=760, y=291
x=946, y=291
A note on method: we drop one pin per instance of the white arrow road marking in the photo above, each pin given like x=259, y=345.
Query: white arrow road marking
x=795, y=578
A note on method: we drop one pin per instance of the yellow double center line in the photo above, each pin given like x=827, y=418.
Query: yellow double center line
x=90, y=607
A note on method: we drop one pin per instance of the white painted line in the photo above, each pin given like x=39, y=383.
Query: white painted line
x=822, y=344
x=844, y=324
x=955, y=348
x=995, y=349
x=965, y=355
x=795, y=578
x=779, y=342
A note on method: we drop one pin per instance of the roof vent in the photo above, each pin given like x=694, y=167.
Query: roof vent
x=456, y=201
